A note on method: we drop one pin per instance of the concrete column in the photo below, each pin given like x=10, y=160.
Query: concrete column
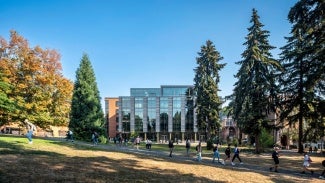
x=183, y=137
x=157, y=137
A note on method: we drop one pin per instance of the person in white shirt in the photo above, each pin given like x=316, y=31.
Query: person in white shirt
x=137, y=142
x=70, y=135
x=148, y=144
x=30, y=130
x=306, y=164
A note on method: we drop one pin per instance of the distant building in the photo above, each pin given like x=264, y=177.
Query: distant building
x=168, y=112
x=229, y=129
x=111, y=110
x=156, y=113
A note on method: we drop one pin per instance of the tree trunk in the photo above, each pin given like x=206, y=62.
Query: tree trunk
x=300, y=145
x=301, y=110
x=208, y=130
x=257, y=144
x=240, y=136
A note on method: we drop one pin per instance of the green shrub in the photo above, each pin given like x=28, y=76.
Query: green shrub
x=102, y=139
x=209, y=144
x=235, y=141
x=266, y=139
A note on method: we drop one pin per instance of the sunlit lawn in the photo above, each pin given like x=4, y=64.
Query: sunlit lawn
x=60, y=161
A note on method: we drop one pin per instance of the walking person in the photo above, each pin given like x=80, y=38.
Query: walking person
x=322, y=174
x=114, y=140
x=188, y=147
x=216, y=154
x=236, y=155
x=227, y=152
x=137, y=142
x=199, y=151
x=125, y=142
x=306, y=164
x=30, y=130
x=94, y=137
x=70, y=135
x=171, y=147
x=148, y=144
x=275, y=156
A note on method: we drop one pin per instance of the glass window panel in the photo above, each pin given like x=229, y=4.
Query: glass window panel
x=164, y=120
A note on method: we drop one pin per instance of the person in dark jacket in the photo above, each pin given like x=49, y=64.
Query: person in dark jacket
x=275, y=156
x=171, y=147
x=188, y=147
x=236, y=155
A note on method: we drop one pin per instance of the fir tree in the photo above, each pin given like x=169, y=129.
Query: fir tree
x=86, y=111
x=254, y=91
x=208, y=103
x=304, y=77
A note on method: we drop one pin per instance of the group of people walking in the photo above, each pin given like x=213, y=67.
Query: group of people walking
x=306, y=163
x=215, y=155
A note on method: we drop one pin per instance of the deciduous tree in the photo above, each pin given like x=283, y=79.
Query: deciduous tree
x=35, y=76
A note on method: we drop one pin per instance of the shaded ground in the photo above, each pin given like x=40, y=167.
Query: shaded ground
x=291, y=161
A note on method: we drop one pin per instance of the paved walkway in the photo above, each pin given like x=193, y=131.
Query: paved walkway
x=205, y=160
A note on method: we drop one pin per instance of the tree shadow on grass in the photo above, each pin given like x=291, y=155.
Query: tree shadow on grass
x=24, y=165
x=20, y=164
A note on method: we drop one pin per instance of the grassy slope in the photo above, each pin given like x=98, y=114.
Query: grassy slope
x=59, y=161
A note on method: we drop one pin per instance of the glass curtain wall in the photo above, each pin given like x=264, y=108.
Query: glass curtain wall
x=151, y=117
x=138, y=114
x=189, y=119
x=177, y=114
x=126, y=113
x=164, y=115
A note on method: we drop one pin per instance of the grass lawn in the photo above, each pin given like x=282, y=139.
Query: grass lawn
x=58, y=161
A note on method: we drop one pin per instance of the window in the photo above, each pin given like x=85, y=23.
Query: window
x=176, y=114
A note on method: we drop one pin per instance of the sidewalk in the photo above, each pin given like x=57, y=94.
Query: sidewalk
x=206, y=159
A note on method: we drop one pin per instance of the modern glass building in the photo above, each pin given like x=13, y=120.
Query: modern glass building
x=159, y=114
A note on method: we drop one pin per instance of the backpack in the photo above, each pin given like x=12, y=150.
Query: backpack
x=188, y=144
x=237, y=150
x=96, y=135
x=170, y=144
x=227, y=151
x=273, y=154
x=197, y=148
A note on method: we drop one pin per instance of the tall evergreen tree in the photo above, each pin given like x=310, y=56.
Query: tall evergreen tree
x=208, y=103
x=254, y=91
x=86, y=111
x=303, y=82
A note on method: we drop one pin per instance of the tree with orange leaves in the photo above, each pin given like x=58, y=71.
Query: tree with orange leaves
x=39, y=90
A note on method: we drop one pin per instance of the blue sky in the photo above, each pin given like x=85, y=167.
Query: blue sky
x=143, y=43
